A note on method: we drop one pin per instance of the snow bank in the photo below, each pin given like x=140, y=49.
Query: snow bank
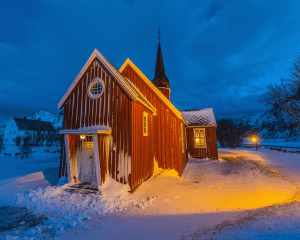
x=55, y=201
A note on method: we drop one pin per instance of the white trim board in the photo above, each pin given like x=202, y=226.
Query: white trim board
x=77, y=131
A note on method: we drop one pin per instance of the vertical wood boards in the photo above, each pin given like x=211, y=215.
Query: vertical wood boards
x=142, y=154
x=111, y=109
x=167, y=150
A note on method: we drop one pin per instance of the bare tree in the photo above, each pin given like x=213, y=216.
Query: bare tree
x=286, y=95
x=229, y=134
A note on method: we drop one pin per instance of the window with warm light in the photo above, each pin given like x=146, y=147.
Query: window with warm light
x=199, y=138
x=145, y=124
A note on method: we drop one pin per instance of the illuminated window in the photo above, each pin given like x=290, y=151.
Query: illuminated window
x=95, y=88
x=145, y=124
x=199, y=138
x=182, y=137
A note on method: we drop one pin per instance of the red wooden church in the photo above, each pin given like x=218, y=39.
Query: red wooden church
x=118, y=122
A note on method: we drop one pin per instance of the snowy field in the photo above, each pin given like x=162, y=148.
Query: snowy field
x=245, y=194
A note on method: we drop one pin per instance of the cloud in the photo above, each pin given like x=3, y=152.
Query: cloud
x=214, y=8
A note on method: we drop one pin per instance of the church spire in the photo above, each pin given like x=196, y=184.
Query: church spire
x=160, y=79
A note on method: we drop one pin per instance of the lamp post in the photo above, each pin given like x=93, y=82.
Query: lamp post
x=255, y=141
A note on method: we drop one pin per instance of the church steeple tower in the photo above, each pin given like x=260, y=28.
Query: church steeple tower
x=160, y=80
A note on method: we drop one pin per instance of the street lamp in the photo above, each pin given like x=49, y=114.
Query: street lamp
x=254, y=139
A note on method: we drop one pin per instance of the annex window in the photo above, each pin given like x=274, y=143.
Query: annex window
x=6, y=140
x=14, y=132
x=182, y=138
x=145, y=124
x=199, y=138
x=95, y=88
x=12, y=125
x=9, y=132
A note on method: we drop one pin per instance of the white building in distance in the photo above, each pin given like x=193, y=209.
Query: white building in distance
x=19, y=126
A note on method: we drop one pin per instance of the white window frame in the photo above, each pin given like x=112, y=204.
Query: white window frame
x=198, y=129
x=145, y=123
x=94, y=81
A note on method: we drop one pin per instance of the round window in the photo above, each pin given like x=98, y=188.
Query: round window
x=95, y=88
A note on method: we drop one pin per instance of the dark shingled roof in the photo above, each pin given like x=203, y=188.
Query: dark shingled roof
x=160, y=79
x=33, y=125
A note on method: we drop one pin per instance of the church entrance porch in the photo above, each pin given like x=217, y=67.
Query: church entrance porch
x=87, y=155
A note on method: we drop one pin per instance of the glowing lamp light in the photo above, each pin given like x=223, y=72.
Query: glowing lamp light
x=254, y=139
x=82, y=136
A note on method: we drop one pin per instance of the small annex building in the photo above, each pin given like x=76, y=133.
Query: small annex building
x=118, y=123
x=20, y=126
x=201, y=133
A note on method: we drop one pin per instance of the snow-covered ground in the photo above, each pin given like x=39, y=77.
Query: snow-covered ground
x=245, y=194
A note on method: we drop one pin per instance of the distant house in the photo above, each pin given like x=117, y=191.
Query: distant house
x=22, y=126
x=201, y=133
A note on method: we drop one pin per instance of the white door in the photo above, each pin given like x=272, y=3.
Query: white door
x=86, y=163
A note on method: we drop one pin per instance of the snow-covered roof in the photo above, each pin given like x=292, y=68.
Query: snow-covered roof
x=152, y=86
x=199, y=117
x=33, y=125
x=98, y=129
x=124, y=83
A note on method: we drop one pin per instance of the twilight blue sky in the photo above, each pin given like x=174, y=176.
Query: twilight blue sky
x=219, y=54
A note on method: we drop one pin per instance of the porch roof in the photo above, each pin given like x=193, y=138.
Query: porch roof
x=98, y=129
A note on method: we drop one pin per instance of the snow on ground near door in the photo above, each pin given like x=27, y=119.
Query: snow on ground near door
x=245, y=193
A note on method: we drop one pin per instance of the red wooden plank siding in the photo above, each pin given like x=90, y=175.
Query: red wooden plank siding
x=88, y=100
x=125, y=118
x=115, y=129
x=79, y=114
x=110, y=109
x=163, y=125
x=82, y=117
x=126, y=125
x=91, y=101
x=106, y=120
x=142, y=156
